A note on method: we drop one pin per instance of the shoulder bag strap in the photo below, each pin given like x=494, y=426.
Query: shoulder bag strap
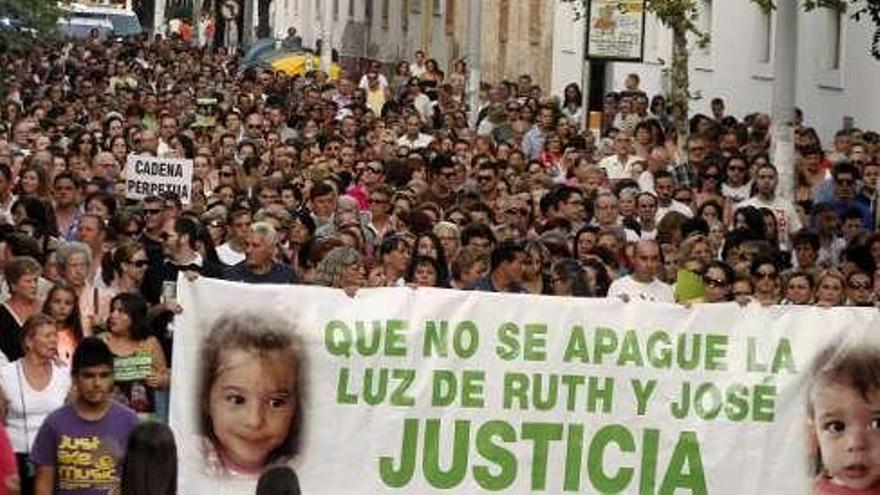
x=19, y=369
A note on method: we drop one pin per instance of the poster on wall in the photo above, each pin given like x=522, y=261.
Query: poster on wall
x=400, y=391
x=616, y=30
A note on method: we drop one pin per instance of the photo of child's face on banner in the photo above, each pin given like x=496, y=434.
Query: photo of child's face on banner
x=250, y=413
x=843, y=419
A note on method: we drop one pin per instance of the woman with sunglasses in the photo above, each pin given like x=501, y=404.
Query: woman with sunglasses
x=718, y=280
x=710, y=185
x=859, y=289
x=765, y=279
x=127, y=267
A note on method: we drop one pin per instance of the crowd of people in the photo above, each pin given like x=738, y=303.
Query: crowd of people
x=386, y=179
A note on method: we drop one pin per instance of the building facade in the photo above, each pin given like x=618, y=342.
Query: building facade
x=516, y=35
x=837, y=80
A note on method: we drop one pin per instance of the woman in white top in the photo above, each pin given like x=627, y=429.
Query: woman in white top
x=32, y=387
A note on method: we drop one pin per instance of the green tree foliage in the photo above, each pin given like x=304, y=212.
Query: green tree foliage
x=38, y=15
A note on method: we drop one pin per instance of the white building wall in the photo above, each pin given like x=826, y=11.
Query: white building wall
x=735, y=66
x=360, y=36
x=568, y=47
x=827, y=96
x=729, y=67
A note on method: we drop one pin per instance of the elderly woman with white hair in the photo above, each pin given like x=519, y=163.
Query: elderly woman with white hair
x=450, y=238
x=75, y=268
x=342, y=268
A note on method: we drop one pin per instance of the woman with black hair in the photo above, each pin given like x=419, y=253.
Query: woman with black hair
x=150, y=466
x=61, y=305
x=597, y=275
x=278, y=480
x=429, y=245
x=751, y=220
x=139, y=366
x=125, y=268
x=101, y=204
x=425, y=271
x=84, y=146
x=33, y=182
x=183, y=146
x=39, y=212
x=572, y=105
x=568, y=278
x=718, y=279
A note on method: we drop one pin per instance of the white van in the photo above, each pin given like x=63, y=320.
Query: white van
x=77, y=21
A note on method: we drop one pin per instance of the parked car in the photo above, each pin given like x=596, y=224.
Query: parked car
x=78, y=20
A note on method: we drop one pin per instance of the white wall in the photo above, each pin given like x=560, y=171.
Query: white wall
x=732, y=66
x=568, y=47
x=728, y=67
x=385, y=42
x=828, y=96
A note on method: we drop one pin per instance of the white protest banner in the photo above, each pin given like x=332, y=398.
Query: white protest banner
x=430, y=391
x=616, y=29
x=147, y=175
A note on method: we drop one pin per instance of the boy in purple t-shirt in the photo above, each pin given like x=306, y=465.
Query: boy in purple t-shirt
x=80, y=447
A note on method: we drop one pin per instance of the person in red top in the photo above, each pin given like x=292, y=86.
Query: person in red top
x=9, y=483
x=186, y=32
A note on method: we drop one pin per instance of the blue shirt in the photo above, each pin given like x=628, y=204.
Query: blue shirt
x=533, y=142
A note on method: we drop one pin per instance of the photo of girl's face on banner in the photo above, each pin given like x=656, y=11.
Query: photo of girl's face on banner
x=409, y=382
x=843, y=426
x=251, y=390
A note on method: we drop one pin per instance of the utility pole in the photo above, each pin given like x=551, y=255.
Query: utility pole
x=475, y=16
x=197, y=22
x=327, y=36
x=247, y=36
x=159, y=17
x=784, y=89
